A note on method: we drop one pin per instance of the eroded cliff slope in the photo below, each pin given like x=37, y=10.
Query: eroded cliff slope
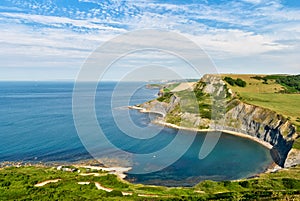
x=211, y=104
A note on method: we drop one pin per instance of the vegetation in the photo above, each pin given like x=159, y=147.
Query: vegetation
x=290, y=83
x=270, y=91
x=267, y=91
x=170, y=86
x=174, y=116
x=238, y=82
x=268, y=96
x=165, y=97
x=18, y=183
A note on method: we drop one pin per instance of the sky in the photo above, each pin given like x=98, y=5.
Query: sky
x=52, y=39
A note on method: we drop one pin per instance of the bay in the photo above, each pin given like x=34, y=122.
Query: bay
x=36, y=124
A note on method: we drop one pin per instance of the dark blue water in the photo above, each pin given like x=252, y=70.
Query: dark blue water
x=36, y=124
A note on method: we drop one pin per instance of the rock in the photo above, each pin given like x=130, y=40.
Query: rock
x=263, y=124
x=293, y=158
x=241, y=117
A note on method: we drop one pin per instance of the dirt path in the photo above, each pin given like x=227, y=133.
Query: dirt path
x=99, y=187
x=46, y=182
x=147, y=195
x=119, y=171
x=89, y=174
x=83, y=182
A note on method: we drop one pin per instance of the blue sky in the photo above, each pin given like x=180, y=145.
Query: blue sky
x=51, y=39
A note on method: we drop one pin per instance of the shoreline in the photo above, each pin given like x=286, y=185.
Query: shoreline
x=238, y=134
x=118, y=171
x=144, y=110
x=92, y=164
x=273, y=167
x=163, y=123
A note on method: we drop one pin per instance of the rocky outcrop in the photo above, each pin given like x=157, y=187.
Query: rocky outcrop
x=262, y=123
x=265, y=125
x=162, y=108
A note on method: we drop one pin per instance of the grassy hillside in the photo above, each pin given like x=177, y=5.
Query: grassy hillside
x=268, y=96
x=18, y=183
x=268, y=93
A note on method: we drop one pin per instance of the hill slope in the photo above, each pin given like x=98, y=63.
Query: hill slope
x=20, y=183
x=214, y=103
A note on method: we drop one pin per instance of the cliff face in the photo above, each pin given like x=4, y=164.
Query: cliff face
x=265, y=125
x=162, y=108
x=237, y=116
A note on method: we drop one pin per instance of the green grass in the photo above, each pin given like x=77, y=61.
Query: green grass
x=172, y=86
x=165, y=97
x=18, y=184
x=268, y=95
x=285, y=104
x=174, y=117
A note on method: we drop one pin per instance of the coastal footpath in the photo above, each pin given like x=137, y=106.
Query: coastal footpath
x=230, y=114
x=40, y=182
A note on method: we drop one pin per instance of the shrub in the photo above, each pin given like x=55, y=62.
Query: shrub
x=226, y=183
x=165, y=97
x=5, y=183
x=239, y=82
x=230, y=81
x=115, y=193
x=291, y=183
x=244, y=184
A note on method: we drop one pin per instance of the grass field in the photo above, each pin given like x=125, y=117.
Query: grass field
x=268, y=96
x=18, y=183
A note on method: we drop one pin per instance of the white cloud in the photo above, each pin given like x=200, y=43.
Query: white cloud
x=60, y=22
x=227, y=32
x=253, y=1
x=235, y=43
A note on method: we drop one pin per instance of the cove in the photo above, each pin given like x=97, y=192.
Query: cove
x=232, y=158
x=36, y=124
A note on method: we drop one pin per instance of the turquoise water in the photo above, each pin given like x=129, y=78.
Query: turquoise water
x=36, y=124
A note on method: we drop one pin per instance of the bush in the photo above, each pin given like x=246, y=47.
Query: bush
x=230, y=81
x=257, y=77
x=112, y=181
x=226, y=183
x=239, y=82
x=244, y=184
x=205, y=114
x=5, y=183
x=165, y=97
x=173, y=119
x=291, y=183
x=115, y=193
x=291, y=82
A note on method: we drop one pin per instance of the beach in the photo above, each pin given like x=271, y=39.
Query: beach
x=163, y=123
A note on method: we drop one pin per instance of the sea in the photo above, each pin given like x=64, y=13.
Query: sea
x=37, y=124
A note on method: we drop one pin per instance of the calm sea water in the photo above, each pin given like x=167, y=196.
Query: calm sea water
x=36, y=124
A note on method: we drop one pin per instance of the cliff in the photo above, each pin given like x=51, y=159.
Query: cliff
x=265, y=125
x=220, y=108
